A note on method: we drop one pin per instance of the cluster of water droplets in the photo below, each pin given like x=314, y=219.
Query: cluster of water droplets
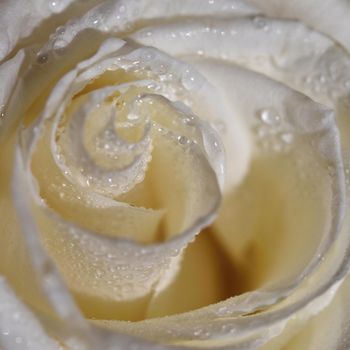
x=329, y=78
x=114, y=271
x=125, y=161
x=178, y=80
x=102, y=18
x=272, y=131
x=109, y=165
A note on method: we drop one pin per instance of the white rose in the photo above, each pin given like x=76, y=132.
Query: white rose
x=174, y=173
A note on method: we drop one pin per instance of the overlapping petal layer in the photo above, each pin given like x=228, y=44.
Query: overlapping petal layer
x=118, y=151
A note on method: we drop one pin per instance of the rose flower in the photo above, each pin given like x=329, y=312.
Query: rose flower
x=174, y=174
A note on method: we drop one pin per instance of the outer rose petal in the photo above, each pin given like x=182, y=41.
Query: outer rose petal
x=9, y=72
x=18, y=326
x=168, y=7
x=328, y=16
x=305, y=117
x=20, y=19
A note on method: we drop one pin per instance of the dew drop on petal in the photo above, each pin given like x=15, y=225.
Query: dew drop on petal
x=287, y=137
x=42, y=58
x=147, y=55
x=59, y=45
x=269, y=116
x=183, y=140
x=56, y=5
x=60, y=30
x=188, y=80
x=260, y=23
x=2, y=115
x=53, y=4
x=222, y=311
x=122, y=9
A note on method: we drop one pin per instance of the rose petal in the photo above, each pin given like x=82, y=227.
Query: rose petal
x=307, y=121
x=326, y=151
x=117, y=270
x=329, y=17
x=19, y=21
x=18, y=326
x=9, y=73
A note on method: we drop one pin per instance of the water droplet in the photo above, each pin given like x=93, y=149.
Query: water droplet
x=260, y=23
x=308, y=80
x=188, y=80
x=183, y=140
x=53, y=4
x=2, y=114
x=122, y=9
x=42, y=58
x=331, y=170
x=56, y=5
x=197, y=332
x=60, y=30
x=161, y=68
x=59, y=45
x=269, y=116
x=222, y=311
x=96, y=20
x=287, y=137
x=147, y=55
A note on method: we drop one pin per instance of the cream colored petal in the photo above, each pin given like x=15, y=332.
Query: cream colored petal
x=90, y=210
x=18, y=19
x=249, y=330
x=328, y=330
x=197, y=330
x=30, y=22
x=205, y=277
x=329, y=17
x=293, y=114
x=123, y=270
x=30, y=275
x=120, y=270
x=19, y=328
x=121, y=16
x=9, y=72
x=283, y=50
x=310, y=162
